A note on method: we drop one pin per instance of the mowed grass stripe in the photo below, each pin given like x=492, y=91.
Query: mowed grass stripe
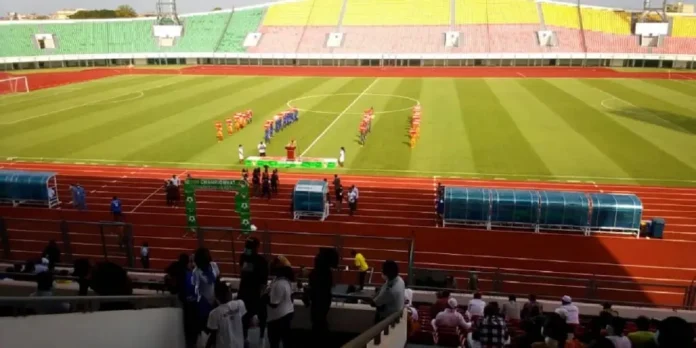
x=443, y=142
x=88, y=93
x=682, y=103
x=387, y=146
x=304, y=131
x=51, y=126
x=656, y=109
x=200, y=135
x=551, y=137
x=634, y=154
x=55, y=94
x=311, y=125
x=127, y=116
x=498, y=146
x=685, y=88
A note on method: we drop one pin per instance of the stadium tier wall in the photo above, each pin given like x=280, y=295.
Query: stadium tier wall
x=495, y=28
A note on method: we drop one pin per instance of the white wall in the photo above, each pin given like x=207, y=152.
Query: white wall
x=148, y=328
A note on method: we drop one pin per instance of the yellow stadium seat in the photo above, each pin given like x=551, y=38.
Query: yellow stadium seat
x=325, y=12
x=607, y=21
x=291, y=13
x=561, y=15
x=684, y=27
x=496, y=12
x=397, y=12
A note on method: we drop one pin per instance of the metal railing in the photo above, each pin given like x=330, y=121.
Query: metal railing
x=375, y=333
x=115, y=242
x=25, y=305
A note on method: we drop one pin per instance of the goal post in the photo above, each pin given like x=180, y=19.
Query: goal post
x=11, y=85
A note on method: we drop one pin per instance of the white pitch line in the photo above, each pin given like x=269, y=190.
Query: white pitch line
x=338, y=117
x=147, y=198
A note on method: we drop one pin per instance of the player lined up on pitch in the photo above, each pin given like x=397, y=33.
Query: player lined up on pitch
x=279, y=122
x=366, y=124
x=414, y=130
x=234, y=124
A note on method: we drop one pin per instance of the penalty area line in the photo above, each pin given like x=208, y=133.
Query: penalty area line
x=338, y=117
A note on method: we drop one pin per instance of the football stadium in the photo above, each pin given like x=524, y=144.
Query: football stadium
x=451, y=172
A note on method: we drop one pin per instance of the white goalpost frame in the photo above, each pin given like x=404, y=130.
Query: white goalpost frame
x=18, y=84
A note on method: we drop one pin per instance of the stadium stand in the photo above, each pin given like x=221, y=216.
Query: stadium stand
x=202, y=32
x=325, y=12
x=397, y=12
x=684, y=27
x=564, y=16
x=392, y=39
x=241, y=23
x=606, y=21
x=17, y=40
x=289, y=14
x=496, y=12
x=129, y=36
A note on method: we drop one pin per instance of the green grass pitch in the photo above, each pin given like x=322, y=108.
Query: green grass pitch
x=602, y=130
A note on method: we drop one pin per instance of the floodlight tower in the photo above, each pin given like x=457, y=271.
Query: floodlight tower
x=649, y=10
x=166, y=13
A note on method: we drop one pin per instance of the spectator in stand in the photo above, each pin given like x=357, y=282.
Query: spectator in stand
x=529, y=306
x=450, y=317
x=440, y=210
x=280, y=306
x=52, y=253
x=256, y=183
x=441, y=303
x=169, y=192
x=491, y=331
x=175, y=275
x=352, y=202
x=280, y=261
x=203, y=278
x=225, y=321
x=275, y=181
x=643, y=337
x=339, y=197
x=532, y=332
x=336, y=181
x=81, y=270
x=253, y=281
x=674, y=332
x=555, y=331
x=357, y=195
x=476, y=306
x=615, y=334
x=317, y=296
x=408, y=303
x=390, y=298
x=266, y=185
x=145, y=255
x=606, y=307
x=29, y=267
x=110, y=279
x=44, y=288
x=361, y=266
x=569, y=311
x=78, y=197
x=42, y=266
x=175, y=181
x=116, y=209
x=511, y=309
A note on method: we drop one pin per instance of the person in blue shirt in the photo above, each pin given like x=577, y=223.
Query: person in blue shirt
x=117, y=209
x=440, y=208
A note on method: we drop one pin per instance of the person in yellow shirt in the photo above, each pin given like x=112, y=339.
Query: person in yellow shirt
x=362, y=267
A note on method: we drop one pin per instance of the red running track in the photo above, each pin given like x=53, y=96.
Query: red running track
x=403, y=210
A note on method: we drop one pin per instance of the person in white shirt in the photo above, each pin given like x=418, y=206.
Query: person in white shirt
x=225, y=321
x=615, y=334
x=280, y=307
x=175, y=180
x=476, y=306
x=569, y=311
x=341, y=156
x=262, y=149
x=450, y=317
x=408, y=302
x=241, y=153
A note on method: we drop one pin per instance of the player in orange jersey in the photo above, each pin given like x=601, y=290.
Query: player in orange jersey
x=218, y=127
x=363, y=132
x=250, y=116
x=412, y=134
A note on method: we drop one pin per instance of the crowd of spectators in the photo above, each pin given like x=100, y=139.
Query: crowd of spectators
x=561, y=328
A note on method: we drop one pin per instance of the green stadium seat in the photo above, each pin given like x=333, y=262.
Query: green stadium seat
x=242, y=23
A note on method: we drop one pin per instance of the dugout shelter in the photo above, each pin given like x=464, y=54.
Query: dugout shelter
x=29, y=188
x=309, y=199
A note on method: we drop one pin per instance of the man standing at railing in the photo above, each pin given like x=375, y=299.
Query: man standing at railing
x=362, y=267
x=391, y=295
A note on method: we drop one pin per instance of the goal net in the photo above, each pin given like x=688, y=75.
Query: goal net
x=10, y=85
